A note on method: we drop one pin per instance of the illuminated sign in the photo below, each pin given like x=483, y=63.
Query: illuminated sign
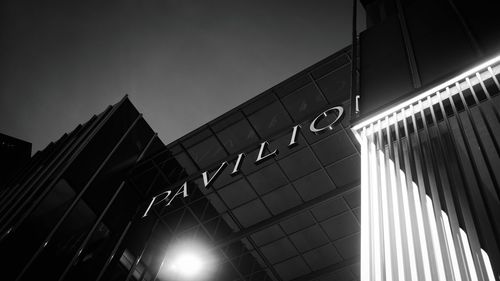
x=167, y=197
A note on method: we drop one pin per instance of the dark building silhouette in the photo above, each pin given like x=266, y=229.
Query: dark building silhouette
x=14, y=154
x=73, y=193
x=379, y=162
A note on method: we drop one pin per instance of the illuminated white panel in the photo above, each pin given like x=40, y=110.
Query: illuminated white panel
x=421, y=232
x=365, y=210
x=409, y=231
x=468, y=256
x=451, y=247
x=487, y=263
x=435, y=239
x=374, y=203
x=377, y=260
x=396, y=217
x=397, y=227
x=385, y=218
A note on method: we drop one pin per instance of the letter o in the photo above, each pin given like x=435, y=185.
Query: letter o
x=318, y=131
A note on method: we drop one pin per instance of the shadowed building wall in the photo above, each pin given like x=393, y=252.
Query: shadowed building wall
x=14, y=154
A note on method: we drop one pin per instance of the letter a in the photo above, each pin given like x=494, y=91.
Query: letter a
x=182, y=190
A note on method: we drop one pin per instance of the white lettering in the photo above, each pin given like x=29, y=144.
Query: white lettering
x=317, y=131
x=237, y=166
x=293, y=140
x=168, y=192
x=183, y=190
x=208, y=181
x=261, y=158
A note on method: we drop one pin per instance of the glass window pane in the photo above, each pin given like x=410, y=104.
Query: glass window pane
x=227, y=121
x=237, y=136
x=172, y=170
x=336, y=85
x=292, y=84
x=314, y=185
x=304, y=102
x=331, y=65
x=299, y=164
x=142, y=181
x=267, y=178
x=263, y=99
x=207, y=152
x=282, y=199
x=270, y=119
x=237, y=193
x=196, y=138
x=186, y=163
x=333, y=148
x=346, y=171
x=105, y=236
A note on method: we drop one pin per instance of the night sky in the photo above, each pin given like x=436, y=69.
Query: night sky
x=183, y=63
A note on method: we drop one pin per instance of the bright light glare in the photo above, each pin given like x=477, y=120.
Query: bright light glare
x=187, y=265
x=188, y=260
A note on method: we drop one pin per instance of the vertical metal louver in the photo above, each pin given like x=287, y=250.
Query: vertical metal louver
x=430, y=183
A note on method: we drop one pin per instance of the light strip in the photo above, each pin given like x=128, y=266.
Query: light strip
x=487, y=263
x=423, y=241
x=409, y=230
x=435, y=239
x=446, y=93
x=365, y=210
x=397, y=227
x=385, y=217
x=451, y=246
x=468, y=256
x=377, y=258
x=377, y=251
x=421, y=96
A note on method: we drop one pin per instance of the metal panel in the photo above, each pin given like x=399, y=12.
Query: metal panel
x=430, y=181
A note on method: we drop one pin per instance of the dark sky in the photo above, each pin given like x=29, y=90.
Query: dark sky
x=182, y=62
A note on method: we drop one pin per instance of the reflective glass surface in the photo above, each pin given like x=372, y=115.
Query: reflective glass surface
x=292, y=215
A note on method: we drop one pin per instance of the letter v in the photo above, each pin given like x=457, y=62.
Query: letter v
x=209, y=182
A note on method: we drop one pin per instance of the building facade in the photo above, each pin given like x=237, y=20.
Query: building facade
x=428, y=126
x=72, y=194
x=275, y=216
x=380, y=162
x=14, y=154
